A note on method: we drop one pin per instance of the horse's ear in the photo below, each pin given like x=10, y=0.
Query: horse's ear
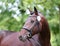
x=35, y=11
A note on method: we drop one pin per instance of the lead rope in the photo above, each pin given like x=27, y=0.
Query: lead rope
x=37, y=42
x=31, y=42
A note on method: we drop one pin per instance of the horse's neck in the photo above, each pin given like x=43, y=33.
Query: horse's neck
x=35, y=40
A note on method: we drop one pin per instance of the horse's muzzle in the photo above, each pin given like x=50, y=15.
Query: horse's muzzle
x=22, y=38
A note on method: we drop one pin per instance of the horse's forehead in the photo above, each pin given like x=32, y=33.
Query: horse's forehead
x=32, y=18
x=38, y=17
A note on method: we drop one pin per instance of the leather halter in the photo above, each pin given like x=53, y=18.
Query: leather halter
x=30, y=31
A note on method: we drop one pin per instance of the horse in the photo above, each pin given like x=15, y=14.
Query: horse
x=35, y=32
x=4, y=33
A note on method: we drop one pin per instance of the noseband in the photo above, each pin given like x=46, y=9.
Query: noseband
x=36, y=23
x=30, y=31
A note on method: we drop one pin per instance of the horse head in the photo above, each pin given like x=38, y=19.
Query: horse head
x=32, y=25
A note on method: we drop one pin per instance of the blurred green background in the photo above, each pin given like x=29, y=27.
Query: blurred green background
x=13, y=14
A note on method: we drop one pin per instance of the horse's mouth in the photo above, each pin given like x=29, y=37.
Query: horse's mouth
x=22, y=38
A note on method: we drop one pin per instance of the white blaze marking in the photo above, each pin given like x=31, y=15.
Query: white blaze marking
x=38, y=18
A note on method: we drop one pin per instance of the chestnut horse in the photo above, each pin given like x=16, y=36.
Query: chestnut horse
x=35, y=32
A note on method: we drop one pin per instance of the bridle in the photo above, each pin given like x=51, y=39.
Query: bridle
x=30, y=30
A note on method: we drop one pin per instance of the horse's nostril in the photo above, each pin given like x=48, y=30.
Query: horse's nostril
x=20, y=37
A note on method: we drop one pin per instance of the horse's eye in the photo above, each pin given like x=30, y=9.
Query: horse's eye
x=32, y=21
